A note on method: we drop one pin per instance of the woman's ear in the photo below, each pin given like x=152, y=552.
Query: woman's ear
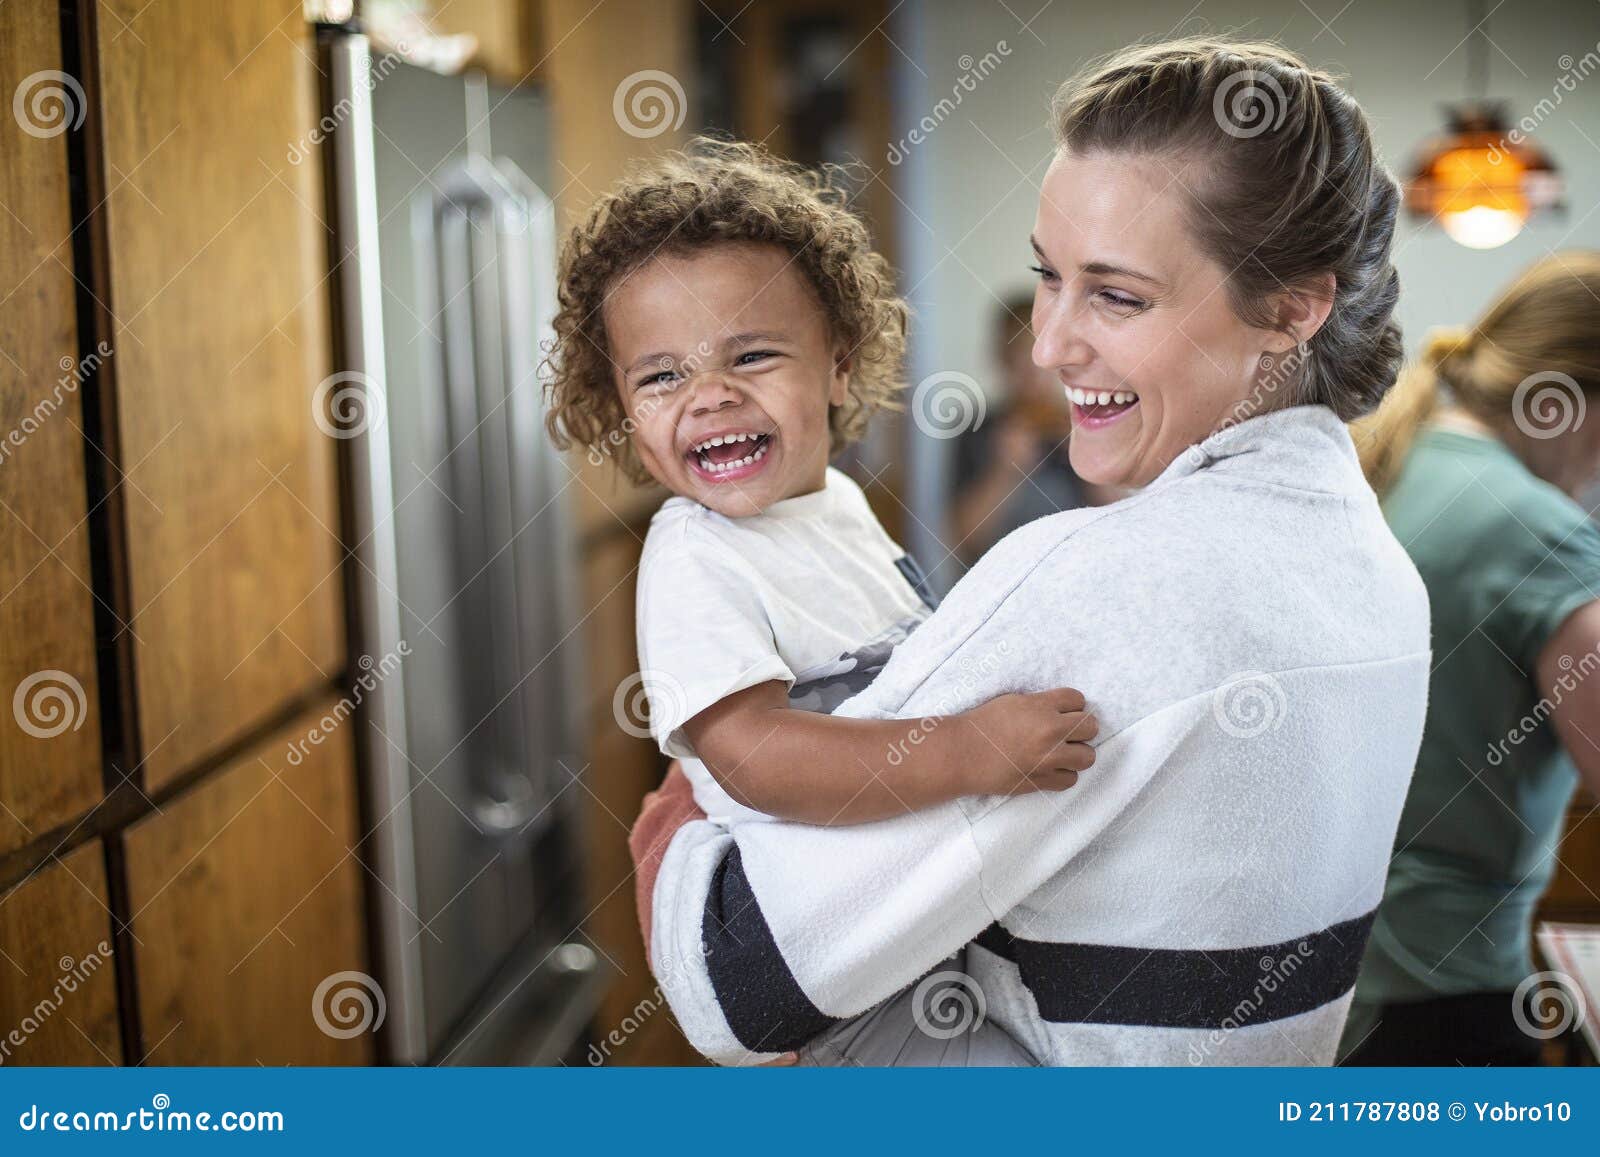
x=1298, y=313
x=839, y=383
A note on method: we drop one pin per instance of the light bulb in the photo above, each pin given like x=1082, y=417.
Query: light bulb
x=1482, y=227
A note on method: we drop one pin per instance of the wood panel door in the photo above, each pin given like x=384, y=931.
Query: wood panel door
x=247, y=907
x=58, y=990
x=49, y=733
x=218, y=268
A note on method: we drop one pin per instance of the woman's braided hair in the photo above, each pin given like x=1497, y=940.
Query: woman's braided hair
x=1283, y=183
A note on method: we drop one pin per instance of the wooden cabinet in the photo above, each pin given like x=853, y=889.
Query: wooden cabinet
x=622, y=769
x=50, y=727
x=246, y=901
x=218, y=269
x=510, y=47
x=171, y=527
x=600, y=49
x=58, y=994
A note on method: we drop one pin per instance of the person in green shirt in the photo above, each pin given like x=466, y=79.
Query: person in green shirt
x=1479, y=456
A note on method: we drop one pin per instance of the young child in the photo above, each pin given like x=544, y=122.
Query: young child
x=725, y=327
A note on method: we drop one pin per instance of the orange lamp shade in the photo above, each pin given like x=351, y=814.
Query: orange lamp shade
x=1481, y=181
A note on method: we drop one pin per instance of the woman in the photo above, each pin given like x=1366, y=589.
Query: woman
x=1483, y=499
x=1250, y=635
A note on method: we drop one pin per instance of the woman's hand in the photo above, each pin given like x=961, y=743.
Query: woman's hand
x=665, y=810
x=1028, y=742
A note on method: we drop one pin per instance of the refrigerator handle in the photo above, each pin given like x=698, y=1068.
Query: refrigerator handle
x=540, y=476
x=484, y=379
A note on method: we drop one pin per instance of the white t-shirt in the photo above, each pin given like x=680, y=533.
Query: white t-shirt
x=811, y=591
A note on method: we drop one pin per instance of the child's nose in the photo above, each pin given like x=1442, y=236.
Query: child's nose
x=712, y=391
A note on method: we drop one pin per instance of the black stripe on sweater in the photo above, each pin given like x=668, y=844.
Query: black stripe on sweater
x=762, y=1001
x=1185, y=988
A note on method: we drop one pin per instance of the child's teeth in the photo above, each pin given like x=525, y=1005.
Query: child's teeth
x=719, y=467
x=726, y=440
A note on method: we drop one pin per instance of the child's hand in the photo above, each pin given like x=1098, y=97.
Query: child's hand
x=1031, y=742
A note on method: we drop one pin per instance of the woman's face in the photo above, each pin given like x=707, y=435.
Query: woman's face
x=1133, y=318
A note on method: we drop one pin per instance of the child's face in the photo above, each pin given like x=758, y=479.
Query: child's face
x=726, y=342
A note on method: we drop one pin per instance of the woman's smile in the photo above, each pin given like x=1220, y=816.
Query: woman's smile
x=1097, y=409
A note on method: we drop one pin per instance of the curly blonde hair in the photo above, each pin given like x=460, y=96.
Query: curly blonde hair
x=716, y=192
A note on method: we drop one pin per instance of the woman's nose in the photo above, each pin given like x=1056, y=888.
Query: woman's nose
x=1057, y=342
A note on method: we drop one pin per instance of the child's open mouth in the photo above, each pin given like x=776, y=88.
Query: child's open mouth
x=730, y=457
x=1094, y=409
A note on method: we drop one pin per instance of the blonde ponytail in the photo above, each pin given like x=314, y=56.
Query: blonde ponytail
x=1447, y=344
x=1546, y=321
x=1384, y=437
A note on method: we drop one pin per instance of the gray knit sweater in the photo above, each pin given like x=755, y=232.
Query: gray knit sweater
x=1255, y=644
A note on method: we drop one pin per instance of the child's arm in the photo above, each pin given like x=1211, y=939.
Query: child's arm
x=822, y=769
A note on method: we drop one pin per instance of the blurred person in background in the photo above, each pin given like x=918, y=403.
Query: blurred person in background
x=1013, y=468
x=1478, y=455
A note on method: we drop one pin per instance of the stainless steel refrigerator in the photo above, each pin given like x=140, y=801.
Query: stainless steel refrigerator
x=463, y=560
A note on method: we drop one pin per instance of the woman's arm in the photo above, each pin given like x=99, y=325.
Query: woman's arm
x=1575, y=710
x=764, y=935
x=823, y=769
x=662, y=813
